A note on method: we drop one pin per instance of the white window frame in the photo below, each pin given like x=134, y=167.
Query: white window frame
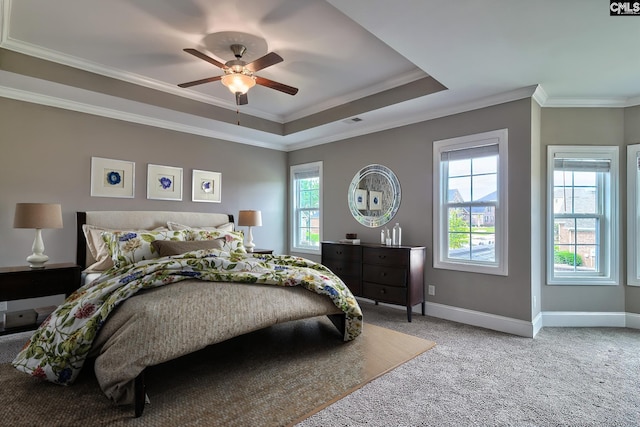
x=633, y=215
x=294, y=228
x=440, y=218
x=609, y=209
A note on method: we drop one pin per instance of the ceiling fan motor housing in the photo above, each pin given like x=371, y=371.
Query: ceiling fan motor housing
x=238, y=50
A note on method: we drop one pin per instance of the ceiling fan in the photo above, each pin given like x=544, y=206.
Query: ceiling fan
x=238, y=75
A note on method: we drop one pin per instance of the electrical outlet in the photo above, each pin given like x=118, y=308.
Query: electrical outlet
x=432, y=289
x=3, y=306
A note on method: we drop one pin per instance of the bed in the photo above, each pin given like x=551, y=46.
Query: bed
x=160, y=285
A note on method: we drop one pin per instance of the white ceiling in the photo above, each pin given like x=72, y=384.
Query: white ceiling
x=571, y=52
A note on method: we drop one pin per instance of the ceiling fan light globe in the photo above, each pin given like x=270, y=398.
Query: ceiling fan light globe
x=238, y=82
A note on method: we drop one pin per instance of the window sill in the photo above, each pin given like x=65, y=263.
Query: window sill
x=471, y=268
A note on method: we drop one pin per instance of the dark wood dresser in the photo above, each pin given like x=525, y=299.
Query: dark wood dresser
x=390, y=274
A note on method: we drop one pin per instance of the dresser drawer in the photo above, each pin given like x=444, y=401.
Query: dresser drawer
x=344, y=253
x=342, y=267
x=390, y=294
x=353, y=283
x=385, y=256
x=384, y=275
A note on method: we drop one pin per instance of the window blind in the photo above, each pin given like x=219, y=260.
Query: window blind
x=582, y=165
x=470, y=153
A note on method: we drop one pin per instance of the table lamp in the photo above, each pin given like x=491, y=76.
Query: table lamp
x=38, y=216
x=250, y=219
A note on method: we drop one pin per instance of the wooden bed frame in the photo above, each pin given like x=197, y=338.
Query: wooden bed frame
x=338, y=320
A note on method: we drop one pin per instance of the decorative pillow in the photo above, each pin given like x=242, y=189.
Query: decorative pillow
x=97, y=247
x=128, y=247
x=171, y=247
x=233, y=241
x=176, y=226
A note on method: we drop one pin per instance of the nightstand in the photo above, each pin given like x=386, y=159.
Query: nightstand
x=262, y=251
x=25, y=282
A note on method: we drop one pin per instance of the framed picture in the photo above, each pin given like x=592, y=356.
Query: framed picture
x=164, y=182
x=207, y=186
x=361, y=199
x=112, y=178
x=375, y=200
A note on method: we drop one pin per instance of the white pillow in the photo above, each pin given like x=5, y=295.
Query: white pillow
x=176, y=226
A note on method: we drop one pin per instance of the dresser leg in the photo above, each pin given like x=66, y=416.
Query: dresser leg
x=423, y=309
x=409, y=310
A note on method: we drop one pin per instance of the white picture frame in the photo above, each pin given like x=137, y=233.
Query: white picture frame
x=361, y=199
x=164, y=182
x=375, y=200
x=112, y=178
x=206, y=186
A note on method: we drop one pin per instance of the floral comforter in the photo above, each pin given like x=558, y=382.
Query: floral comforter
x=57, y=350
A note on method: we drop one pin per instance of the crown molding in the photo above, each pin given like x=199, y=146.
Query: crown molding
x=543, y=100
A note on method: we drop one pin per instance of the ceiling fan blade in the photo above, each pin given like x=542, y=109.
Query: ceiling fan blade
x=275, y=85
x=266, y=61
x=241, y=98
x=201, y=81
x=204, y=57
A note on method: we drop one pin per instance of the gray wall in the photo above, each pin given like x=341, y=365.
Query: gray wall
x=46, y=157
x=585, y=126
x=408, y=152
x=632, y=136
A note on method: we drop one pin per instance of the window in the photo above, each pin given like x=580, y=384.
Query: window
x=633, y=215
x=582, y=219
x=306, y=224
x=470, y=203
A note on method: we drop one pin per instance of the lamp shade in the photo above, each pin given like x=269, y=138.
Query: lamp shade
x=250, y=218
x=38, y=215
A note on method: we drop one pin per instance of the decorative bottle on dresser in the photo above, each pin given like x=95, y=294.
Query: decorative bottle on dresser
x=397, y=235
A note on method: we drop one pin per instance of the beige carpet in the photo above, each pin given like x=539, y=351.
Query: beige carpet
x=274, y=377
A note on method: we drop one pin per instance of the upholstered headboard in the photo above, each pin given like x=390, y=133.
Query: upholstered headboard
x=139, y=220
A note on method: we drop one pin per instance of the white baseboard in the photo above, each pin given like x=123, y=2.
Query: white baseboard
x=484, y=320
x=584, y=319
x=525, y=328
x=633, y=320
x=537, y=324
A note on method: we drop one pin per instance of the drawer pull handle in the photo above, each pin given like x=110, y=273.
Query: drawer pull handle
x=338, y=252
x=382, y=256
x=382, y=291
x=384, y=274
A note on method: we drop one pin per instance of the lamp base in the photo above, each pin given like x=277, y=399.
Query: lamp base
x=37, y=260
x=250, y=245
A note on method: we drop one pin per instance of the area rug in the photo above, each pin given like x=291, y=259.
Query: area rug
x=277, y=376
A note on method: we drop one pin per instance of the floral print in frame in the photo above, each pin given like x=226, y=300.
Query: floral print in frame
x=164, y=182
x=112, y=178
x=207, y=186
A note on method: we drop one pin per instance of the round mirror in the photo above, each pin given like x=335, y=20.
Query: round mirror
x=374, y=195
